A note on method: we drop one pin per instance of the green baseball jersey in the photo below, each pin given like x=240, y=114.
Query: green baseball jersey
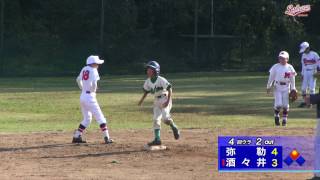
x=158, y=88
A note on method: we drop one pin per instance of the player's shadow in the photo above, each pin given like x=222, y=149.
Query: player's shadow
x=95, y=154
x=10, y=149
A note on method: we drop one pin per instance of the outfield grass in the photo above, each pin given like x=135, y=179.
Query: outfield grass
x=201, y=100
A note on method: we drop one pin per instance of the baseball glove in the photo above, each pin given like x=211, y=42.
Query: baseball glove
x=293, y=96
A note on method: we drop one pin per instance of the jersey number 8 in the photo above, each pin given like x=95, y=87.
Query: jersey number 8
x=85, y=75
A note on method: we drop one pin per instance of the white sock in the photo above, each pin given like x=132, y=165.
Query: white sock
x=77, y=134
x=106, y=133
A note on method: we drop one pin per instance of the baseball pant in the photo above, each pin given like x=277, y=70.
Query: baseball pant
x=281, y=99
x=308, y=82
x=160, y=113
x=89, y=107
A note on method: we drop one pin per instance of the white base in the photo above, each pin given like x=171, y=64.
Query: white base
x=154, y=148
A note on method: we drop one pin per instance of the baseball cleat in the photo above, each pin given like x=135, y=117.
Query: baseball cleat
x=284, y=122
x=277, y=121
x=78, y=140
x=155, y=143
x=176, y=133
x=108, y=140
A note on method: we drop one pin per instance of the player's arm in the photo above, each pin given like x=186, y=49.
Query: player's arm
x=169, y=97
x=293, y=80
x=292, y=83
x=79, y=81
x=146, y=91
x=95, y=79
x=302, y=68
x=270, y=80
x=94, y=86
x=143, y=97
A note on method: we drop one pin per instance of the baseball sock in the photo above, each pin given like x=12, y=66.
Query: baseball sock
x=104, y=130
x=79, y=131
x=285, y=114
x=157, y=134
x=276, y=113
x=173, y=125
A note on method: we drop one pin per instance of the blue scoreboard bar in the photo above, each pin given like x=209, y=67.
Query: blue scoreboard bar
x=265, y=153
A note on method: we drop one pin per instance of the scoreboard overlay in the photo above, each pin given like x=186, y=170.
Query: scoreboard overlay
x=266, y=154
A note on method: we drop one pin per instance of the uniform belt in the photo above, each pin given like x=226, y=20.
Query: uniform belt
x=309, y=69
x=163, y=95
x=281, y=83
x=88, y=92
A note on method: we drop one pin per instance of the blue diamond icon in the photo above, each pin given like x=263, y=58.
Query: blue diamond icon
x=288, y=160
x=300, y=160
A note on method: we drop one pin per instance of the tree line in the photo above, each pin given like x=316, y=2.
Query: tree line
x=55, y=37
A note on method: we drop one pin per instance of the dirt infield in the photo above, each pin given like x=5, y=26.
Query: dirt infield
x=52, y=156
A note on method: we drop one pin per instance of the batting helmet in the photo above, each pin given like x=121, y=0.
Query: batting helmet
x=154, y=65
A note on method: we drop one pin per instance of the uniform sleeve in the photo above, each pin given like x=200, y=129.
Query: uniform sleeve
x=79, y=80
x=146, y=88
x=272, y=75
x=95, y=76
x=293, y=79
x=165, y=84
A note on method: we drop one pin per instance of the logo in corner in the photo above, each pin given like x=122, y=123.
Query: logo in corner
x=300, y=11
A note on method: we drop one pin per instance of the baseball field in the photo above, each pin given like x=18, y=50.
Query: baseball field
x=38, y=117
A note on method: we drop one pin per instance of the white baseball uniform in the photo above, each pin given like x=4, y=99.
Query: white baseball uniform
x=309, y=63
x=160, y=90
x=87, y=82
x=283, y=79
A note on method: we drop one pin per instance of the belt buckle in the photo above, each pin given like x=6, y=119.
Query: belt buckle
x=282, y=83
x=88, y=92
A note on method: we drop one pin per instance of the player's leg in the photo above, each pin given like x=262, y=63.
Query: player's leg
x=285, y=106
x=167, y=119
x=304, y=86
x=277, y=106
x=101, y=120
x=156, y=126
x=87, y=117
x=312, y=87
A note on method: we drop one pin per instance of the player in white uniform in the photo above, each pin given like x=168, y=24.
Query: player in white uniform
x=87, y=82
x=282, y=77
x=162, y=91
x=309, y=62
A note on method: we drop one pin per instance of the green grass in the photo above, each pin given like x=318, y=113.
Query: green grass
x=201, y=100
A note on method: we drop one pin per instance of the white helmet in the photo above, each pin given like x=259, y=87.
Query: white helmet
x=284, y=54
x=303, y=46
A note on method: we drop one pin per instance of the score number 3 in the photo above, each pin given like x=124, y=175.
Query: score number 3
x=85, y=75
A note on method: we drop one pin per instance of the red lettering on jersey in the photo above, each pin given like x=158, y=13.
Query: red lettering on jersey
x=85, y=75
x=287, y=74
x=309, y=61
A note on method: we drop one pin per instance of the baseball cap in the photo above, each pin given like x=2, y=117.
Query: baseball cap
x=284, y=54
x=94, y=60
x=303, y=46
